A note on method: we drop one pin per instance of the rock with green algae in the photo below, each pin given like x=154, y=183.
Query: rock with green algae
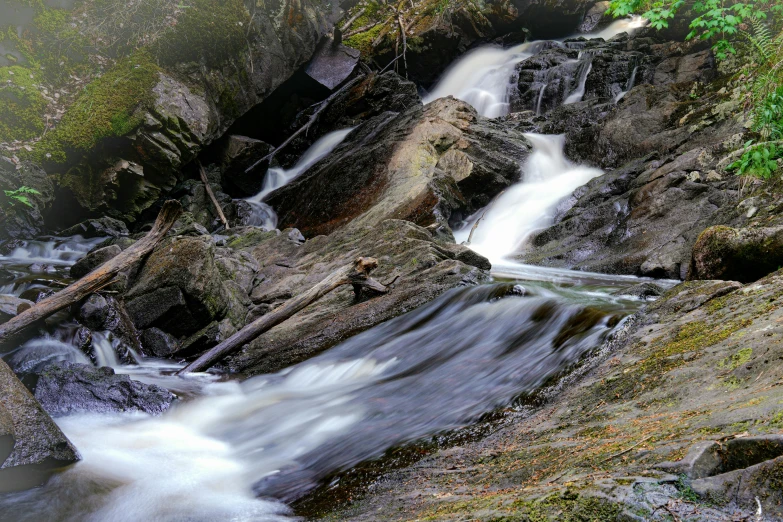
x=697, y=365
x=124, y=137
x=31, y=444
x=745, y=254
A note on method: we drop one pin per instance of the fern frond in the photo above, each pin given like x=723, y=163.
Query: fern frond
x=763, y=40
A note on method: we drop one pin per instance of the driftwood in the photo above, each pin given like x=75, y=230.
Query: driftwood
x=212, y=196
x=357, y=274
x=321, y=107
x=404, y=44
x=98, y=278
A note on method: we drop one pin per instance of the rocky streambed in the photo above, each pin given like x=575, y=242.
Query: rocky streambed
x=609, y=398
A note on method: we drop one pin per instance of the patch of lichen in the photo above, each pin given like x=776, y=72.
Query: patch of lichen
x=111, y=105
x=568, y=506
x=212, y=31
x=22, y=106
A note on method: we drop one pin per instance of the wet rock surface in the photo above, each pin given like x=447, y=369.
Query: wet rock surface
x=68, y=388
x=689, y=387
x=425, y=268
x=421, y=165
x=31, y=444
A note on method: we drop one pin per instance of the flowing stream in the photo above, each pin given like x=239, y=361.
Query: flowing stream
x=241, y=450
x=263, y=215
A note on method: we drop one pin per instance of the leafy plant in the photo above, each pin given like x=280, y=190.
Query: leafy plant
x=758, y=160
x=20, y=196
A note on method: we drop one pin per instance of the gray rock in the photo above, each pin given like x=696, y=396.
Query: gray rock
x=31, y=444
x=164, y=308
x=11, y=306
x=100, y=227
x=237, y=154
x=159, y=343
x=94, y=312
x=461, y=161
x=593, y=17
x=68, y=388
x=93, y=260
x=332, y=63
x=642, y=291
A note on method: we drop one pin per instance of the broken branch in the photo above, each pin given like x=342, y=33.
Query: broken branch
x=357, y=275
x=321, y=107
x=212, y=196
x=98, y=278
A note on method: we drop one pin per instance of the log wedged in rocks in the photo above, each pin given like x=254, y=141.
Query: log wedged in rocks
x=98, y=278
x=357, y=275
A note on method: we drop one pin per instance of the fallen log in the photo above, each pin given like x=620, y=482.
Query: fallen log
x=98, y=278
x=358, y=275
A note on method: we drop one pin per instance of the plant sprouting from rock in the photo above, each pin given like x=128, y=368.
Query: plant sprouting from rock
x=19, y=196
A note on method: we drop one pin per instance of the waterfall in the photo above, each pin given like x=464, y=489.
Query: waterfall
x=548, y=177
x=263, y=214
x=482, y=78
x=579, y=92
x=628, y=86
x=540, y=98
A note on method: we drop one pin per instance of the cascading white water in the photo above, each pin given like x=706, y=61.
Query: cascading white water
x=629, y=85
x=579, y=92
x=482, y=78
x=263, y=214
x=624, y=25
x=547, y=178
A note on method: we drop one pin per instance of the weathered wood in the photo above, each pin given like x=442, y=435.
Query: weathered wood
x=358, y=275
x=211, y=195
x=98, y=278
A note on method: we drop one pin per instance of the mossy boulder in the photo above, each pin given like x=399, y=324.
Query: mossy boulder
x=139, y=96
x=745, y=254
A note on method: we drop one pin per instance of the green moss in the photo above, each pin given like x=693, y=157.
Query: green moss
x=22, y=105
x=253, y=238
x=210, y=30
x=111, y=105
x=738, y=359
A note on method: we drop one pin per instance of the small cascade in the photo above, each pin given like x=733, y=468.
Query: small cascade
x=626, y=25
x=579, y=92
x=548, y=177
x=629, y=85
x=263, y=215
x=540, y=98
x=482, y=78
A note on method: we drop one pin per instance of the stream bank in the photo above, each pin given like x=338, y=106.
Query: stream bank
x=647, y=126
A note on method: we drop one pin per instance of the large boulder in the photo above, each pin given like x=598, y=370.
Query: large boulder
x=66, y=388
x=425, y=165
x=123, y=140
x=743, y=255
x=31, y=444
x=424, y=265
x=187, y=283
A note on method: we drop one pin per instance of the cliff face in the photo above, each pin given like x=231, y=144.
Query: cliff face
x=115, y=103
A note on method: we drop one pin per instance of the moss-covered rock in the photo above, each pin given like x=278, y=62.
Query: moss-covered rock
x=744, y=255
